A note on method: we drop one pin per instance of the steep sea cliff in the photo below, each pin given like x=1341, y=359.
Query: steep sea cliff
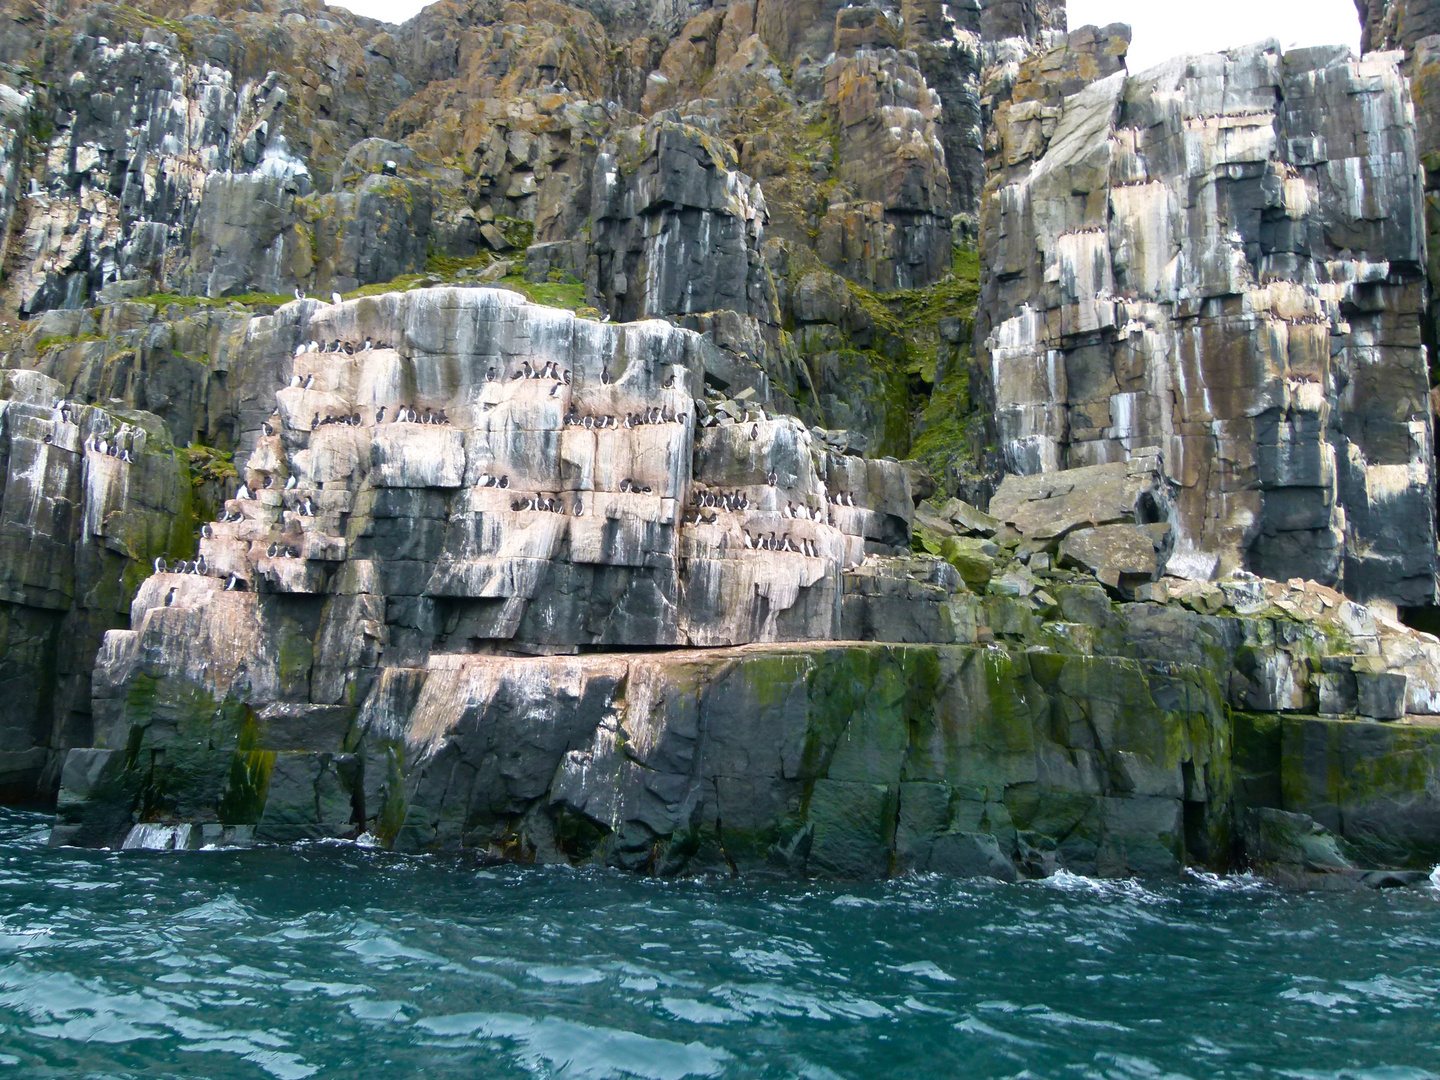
x=832, y=440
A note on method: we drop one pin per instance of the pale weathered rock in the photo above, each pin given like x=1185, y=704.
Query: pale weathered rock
x=1049, y=506
x=1120, y=556
x=1221, y=261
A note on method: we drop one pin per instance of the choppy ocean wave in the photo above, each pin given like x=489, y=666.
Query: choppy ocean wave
x=338, y=960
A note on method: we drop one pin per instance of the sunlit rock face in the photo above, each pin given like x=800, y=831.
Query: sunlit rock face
x=509, y=474
x=468, y=472
x=1223, y=258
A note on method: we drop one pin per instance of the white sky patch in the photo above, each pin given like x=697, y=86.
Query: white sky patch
x=1162, y=30
x=391, y=11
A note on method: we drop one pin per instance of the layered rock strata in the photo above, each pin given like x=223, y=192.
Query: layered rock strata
x=1223, y=260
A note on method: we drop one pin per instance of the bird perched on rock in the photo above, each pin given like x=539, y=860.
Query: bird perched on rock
x=207, y=532
x=366, y=347
x=755, y=433
x=309, y=382
x=233, y=585
x=243, y=493
x=336, y=298
x=159, y=566
x=504, y=481
x=295, y=381
x=292, y=483
x=490, y=375
x=771, y=478
x=199, y=566
x=605, y=375
x=301, y=349
x=265, y=427
x=380, y=414
x=555, y=390
x=271, y=550
x=308, y=509
x=298, y=294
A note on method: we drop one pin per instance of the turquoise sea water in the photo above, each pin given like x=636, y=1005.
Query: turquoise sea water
x=334, y=961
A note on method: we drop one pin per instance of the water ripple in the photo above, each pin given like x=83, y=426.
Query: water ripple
x=332, y=960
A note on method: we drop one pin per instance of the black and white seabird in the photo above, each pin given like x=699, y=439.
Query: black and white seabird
x=159, y=565
x=336, y=298
x=380, y=414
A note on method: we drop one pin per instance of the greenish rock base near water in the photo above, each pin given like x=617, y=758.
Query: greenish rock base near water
x=851, y=760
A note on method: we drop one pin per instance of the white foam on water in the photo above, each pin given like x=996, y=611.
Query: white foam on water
x=550, y=1047
x=926, y=970
x=699, y=1012
x=148, y=837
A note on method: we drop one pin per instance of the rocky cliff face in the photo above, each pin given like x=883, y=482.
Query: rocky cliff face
x=1240, y=286
x=89, y=497
x=171, y=173
x=575, y=530
x=500, y=578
